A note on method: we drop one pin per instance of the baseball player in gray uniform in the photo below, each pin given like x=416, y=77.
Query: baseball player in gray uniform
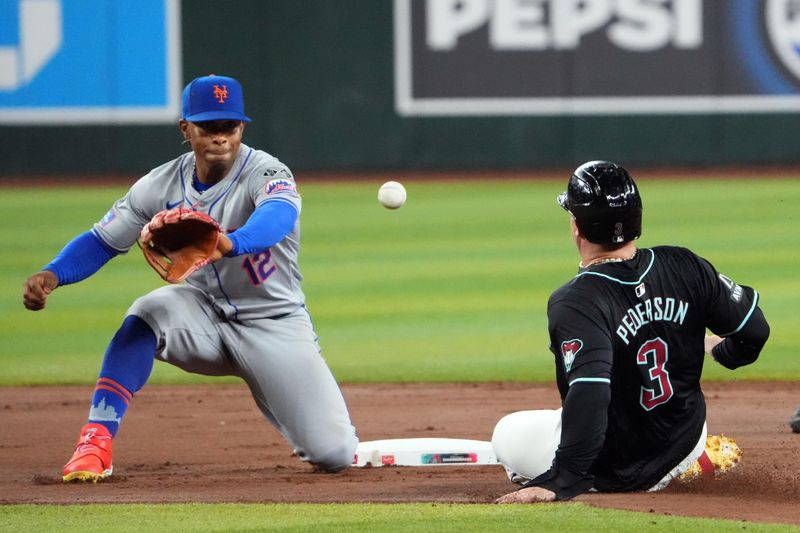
x=242, y=315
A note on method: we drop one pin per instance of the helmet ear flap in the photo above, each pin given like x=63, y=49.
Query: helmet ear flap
x=576, y=229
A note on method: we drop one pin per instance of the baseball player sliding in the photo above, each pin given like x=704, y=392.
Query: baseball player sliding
x=628, y=335
x=241, y=311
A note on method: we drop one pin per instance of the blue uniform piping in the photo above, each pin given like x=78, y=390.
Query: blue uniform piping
x=225, y=294
x=221, y=196
x=233, y=181
x=183, y=180
x=316, y=337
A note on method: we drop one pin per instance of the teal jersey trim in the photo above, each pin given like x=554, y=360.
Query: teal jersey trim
x=647, y=270
x=590, y=380
x=747, y=317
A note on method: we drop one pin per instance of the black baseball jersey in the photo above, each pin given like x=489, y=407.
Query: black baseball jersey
x=638, y=326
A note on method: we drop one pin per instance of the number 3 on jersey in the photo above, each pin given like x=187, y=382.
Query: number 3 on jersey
x=652, y=359
x=258, y=268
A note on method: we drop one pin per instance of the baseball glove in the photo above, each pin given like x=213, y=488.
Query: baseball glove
x=178, y=241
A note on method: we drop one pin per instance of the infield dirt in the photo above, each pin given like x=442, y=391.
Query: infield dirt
x=210, y=444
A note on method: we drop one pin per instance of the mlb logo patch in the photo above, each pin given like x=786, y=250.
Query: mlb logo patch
x=640, y=290
x=280, y=185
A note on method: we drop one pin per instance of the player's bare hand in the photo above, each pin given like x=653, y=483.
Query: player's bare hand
x=528, y=495
x=37, y=288
x=224, y=245
x=711, y=341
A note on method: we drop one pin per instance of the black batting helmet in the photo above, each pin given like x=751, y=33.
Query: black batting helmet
x=605, y=202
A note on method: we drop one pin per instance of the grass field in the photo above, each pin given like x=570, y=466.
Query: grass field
x=572, y=517
x=452, y=287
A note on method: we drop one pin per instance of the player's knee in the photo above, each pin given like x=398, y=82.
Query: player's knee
x=335, y=459
x=507, y=442
x=526, y=441
x=148, y=304
x=329, y=467
x=152, y=307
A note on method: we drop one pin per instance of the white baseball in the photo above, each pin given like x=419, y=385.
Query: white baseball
x=392, y=195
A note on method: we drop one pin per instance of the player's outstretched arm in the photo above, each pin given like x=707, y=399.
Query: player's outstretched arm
x=269, y=224
x=37, y=288
x=80, y=258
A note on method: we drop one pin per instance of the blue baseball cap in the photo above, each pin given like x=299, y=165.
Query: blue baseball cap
x=213, y=97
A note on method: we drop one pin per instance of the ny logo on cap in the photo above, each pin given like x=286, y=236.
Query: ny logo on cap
x=221, y=94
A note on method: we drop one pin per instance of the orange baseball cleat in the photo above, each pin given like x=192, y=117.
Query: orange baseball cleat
x=92, y=458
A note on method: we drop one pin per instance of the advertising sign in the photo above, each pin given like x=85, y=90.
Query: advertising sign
x=89, y=61
x=560, y=57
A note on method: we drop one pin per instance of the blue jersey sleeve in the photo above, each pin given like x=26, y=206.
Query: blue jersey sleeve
x=269, y=224
x=81, y=257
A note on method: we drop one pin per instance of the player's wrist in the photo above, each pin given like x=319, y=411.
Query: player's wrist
x=51, y=279
x=565, y=485
x=50, y=276
x=711, y=342
x=229, y=245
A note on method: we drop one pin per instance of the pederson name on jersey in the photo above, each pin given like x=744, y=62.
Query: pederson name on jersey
x=651, y=310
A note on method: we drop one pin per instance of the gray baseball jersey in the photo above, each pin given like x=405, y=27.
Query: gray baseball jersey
x=242, y=316
x=266, y=284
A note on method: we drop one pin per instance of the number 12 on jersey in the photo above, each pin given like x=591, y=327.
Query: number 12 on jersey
x=258, y=268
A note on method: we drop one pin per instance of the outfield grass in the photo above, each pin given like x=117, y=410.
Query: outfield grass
x=452, y=287
x=572, y=517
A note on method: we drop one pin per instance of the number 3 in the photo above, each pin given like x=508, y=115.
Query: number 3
x=652, y=358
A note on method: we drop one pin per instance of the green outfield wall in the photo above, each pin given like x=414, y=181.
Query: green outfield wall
x=322, y=83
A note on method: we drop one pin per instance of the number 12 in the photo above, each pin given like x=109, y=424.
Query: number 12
x=258, y=268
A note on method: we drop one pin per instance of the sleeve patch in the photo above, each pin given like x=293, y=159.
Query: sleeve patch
x=275, y=171
x=569, y=349
x=734, y=289
x=111, y=215
x=280, y=185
